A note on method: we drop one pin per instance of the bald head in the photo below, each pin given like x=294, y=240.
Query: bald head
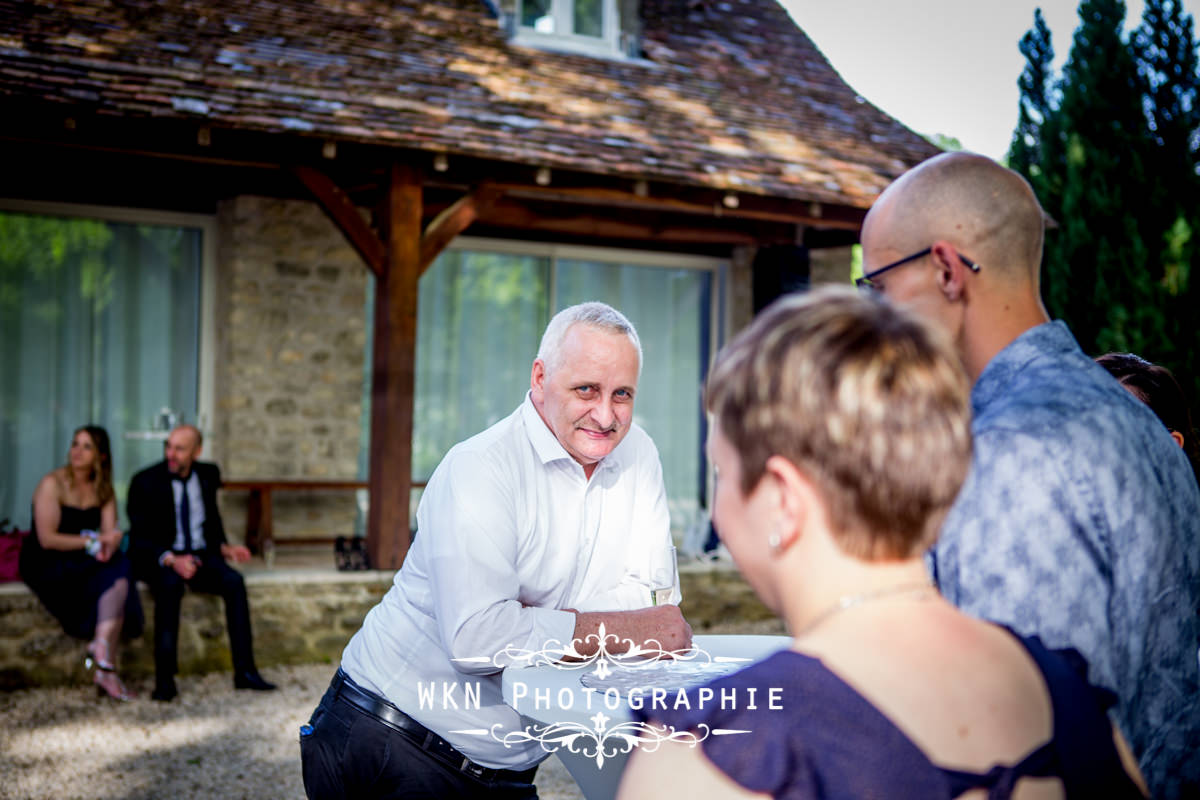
x=182, y=448
x=985, y=210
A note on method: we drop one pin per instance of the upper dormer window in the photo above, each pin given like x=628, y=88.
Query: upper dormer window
x=587, y=26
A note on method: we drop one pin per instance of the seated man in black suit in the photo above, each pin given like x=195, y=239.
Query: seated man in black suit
x=177, y=543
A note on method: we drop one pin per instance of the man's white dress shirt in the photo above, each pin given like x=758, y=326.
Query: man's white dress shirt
x=509, y=533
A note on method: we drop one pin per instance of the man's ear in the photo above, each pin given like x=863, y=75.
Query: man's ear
x=1178, y=437
x=951, y=272
x=537, y=379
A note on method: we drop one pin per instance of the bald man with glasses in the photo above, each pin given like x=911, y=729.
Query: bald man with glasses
x=1080, y=519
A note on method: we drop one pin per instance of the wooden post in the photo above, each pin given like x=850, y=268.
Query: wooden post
x=397, y=256
x=393, y=375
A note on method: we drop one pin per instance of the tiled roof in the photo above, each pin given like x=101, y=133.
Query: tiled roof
x=730, y=94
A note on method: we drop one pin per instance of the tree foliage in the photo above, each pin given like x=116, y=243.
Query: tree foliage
x=1111, y=149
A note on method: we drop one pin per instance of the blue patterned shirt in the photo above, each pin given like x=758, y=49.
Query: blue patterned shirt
x=1080, y=522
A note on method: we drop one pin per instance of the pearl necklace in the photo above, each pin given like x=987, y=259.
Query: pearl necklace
x=923, y=588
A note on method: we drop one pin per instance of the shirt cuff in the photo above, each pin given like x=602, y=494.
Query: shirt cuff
x=551, y=628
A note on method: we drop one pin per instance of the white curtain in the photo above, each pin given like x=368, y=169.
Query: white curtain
x=99, y=324
x=670, y=308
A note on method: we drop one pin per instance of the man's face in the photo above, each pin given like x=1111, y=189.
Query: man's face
x=913, y=285
x=587, y=400
x=181, y=450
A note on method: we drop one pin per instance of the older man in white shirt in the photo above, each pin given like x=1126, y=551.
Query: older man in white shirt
x=532, y=534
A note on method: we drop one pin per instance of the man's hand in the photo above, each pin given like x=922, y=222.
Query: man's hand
x=184, y=566
x=657, y=627
x=239, y=554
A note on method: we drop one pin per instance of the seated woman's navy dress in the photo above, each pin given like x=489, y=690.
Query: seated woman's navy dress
x=828, y=741
x=69, y=582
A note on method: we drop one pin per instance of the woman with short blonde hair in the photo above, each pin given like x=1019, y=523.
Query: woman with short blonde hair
x=841, y=436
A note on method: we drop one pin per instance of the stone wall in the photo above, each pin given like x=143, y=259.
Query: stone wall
x=739, y=301
x=292, y=335
x=299, y=617
x=830, y=265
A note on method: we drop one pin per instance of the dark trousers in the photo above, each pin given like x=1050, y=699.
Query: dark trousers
x=346, y=752
x=213, y=577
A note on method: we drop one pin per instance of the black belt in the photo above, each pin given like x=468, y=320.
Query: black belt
x=417, y=733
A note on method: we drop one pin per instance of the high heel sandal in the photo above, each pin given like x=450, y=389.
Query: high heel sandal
x=100, y=668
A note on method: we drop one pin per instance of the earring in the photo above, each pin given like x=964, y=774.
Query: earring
x=773, y=542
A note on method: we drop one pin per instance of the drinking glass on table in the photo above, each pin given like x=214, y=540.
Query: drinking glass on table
x=664, y=575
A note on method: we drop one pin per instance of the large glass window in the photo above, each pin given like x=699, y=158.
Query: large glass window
x=99, y=323
x=671, y=309
x=480, y=319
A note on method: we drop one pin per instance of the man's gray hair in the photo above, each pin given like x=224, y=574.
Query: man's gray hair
x=598, y=315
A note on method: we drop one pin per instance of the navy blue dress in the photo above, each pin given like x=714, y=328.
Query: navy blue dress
x=69, y=582
x=828, y=741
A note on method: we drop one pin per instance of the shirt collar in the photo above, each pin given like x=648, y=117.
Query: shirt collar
x=1049, y=338
x=546, y=444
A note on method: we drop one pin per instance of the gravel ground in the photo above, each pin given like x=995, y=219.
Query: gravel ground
x=211, y=742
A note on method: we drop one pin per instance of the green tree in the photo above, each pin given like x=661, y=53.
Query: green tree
x=1089, y=155
x=944, y=141
x=1165, y=48
x=1025, y=152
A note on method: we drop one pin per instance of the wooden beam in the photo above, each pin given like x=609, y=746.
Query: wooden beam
x=393, y=381
x=341, y=210
x=454, y=220
x=750, y=206
x=509, y=214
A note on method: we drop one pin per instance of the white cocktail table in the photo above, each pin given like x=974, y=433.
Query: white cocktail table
x=577, y=711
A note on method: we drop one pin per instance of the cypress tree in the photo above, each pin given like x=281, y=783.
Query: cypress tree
x=1165, y=48
x=1025, y=152
x=1036, y=151
x=1098, y=258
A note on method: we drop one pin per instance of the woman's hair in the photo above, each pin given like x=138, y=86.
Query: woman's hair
x=102, y=473
x=869, y=402
x=1157, y=388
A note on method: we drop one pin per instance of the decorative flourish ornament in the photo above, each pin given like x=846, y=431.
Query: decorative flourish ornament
x=600, y=741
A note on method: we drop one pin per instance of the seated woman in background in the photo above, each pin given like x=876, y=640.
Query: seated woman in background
x=841, y=436
x=73, y=561
x=1157, y=388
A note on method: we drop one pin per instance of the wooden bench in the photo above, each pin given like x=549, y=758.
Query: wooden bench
x=259, y=524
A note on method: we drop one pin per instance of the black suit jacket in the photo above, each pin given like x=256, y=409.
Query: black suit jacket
x=151, y=509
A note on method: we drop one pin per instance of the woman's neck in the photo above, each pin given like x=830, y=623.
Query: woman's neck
x=851, y=584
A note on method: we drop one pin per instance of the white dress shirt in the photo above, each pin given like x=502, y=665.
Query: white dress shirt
x=510, y=532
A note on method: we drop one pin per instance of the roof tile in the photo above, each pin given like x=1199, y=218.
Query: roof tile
x=727, y=95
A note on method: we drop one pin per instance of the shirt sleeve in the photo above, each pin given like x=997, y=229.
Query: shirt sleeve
x=473, y=569
x=1054, y=537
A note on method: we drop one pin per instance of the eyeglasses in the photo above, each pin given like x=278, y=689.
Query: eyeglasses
x=867, y=281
